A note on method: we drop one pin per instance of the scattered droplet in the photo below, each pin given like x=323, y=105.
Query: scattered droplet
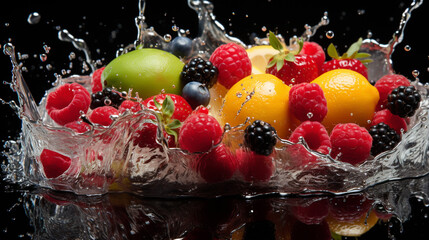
x=264, y=29
x=43, y=57
x=361, y=11
x=175, y=28
x=309, y=115
x=107, y=102
x=33, y=18
x=407, y=48
x=72, y=56
x=330, y=34
x=46, y=48
x=239, y=94
x=415, y=73
x=167, y=37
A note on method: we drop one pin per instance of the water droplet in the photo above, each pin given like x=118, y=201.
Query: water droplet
x=167, y=37
x=33, y=18
x=227, y=127
x=264, y=29
x=407, y=48
x=43, y=57
x=72, y=56
x=329, y=34
x=107, y=102
x=415, y=73
x=49, y=67
x=310, y=115
x=46, y=48
x=361, y=11
x=239, y=94
x=175, y=28
x=8, y=49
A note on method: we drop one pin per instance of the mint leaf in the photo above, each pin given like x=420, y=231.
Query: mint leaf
x=168, y=107
x=332, y=51
x=275, y=42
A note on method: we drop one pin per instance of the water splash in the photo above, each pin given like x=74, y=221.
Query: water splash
x=79, y=44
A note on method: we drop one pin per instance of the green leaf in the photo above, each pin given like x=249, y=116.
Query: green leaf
x=275, y=42
x=271, y=63
x=362, y=55
x=157, y=104
x=168, y=107
x=365, y=61
x=301, y=45
x=335, y=236
x=290, y=57
x=354, y=48
x=174, y=124
x=172, y=133
x=332, y=51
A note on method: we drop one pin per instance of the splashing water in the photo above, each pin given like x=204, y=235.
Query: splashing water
x=104, y=159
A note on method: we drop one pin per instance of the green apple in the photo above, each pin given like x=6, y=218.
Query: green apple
x=148, y=71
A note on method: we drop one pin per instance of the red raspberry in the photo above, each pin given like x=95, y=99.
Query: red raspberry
x=54, y=164
x=313, y=213
x=146, y=137
x=67, y=103
x=386, y=84
x=394, y=121
x=101, y=115
x=255, y=167
x=307, y=102
x=232, y=62
x=201, y=109
x=217, y=165
x=314, y=51
x=96, y=84
x=129, y=105
x=350, y=143
x=78, y=126
x=199, y=133
x=182, y=109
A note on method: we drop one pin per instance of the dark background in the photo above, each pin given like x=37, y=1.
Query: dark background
x=109, y=25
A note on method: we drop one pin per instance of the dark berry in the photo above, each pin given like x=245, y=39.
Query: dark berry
x=403, y=101
x=106, y=97
x=260, y=137
x=196, y=94
x=383, y=138
x=199, y=70
x=180, y=46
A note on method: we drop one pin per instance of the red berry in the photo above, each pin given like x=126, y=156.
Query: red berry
x=67, y=103
x=146, y=136
x=314, y=134
x=201, y=109
x=217, y=165
x=313, y=213
x=307, y=102
x=303, y=69
x=101, y=115
x=349, y=207
x=351, y=64
x=394, y=121
x=386, y=84
x=255, y=167
x=199, y=133
x=54, y=164
x=129, y=105
x=350, y=143
x=78, y=126
x=96, y=85
x=314, y=51
x=232, y=62
x=182, y=109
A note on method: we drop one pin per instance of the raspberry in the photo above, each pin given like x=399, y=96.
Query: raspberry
x=314, y=134
x=96, y=80
x=393, y=121
x=255, y=167
x=350, y=143
x=101, y=115
x=199, y=70
x=54, y=164
x=146, y=137
x=217, y=165
x=384, y=138
x=386, y=84
x=315, y=51
x=307, y=102
x=199, y=133
x=404, y=101
x=129, y=105
x=106, y=97
x=67, y=103
x=78, y=126
x=260, y=137
x=232, y=62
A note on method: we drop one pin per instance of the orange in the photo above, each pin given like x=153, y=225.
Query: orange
x=350, y=98
x=353, y=228
x=260, y=97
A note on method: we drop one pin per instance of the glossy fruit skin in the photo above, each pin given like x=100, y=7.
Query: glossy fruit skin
x=54, y=164
x=180, y=46
x=182, y=109
x=196, y=94
x=148, y=71
x=316, y=52
x=404, y=101
x=350, y=98
x=303, y=69
x=307, y=102
x=101, y=115
x=351, y=64
x=260, y=137
x=393, y=121
x=386, y=84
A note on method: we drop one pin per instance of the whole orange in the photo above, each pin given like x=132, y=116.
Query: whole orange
x=350, y=98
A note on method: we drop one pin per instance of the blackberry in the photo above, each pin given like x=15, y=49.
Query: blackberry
x=260, y=137
x=403, y=101
x=383, y=138
x=199, y=70
x=106, y=97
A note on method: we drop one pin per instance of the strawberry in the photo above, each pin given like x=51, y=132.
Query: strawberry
x=349, y=60
x=181, y=108
x=290, y=66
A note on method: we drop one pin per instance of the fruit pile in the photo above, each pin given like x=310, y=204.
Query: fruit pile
x=271, y=93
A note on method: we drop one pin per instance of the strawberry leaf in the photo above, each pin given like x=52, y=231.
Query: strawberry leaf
x=168, y=107
x=157, y=104
x=354, y=48
x=275, y=42
x=279, y=64
x=332, y=51
x=301, y=45
x=362, y=55
x=290, y=57
x=174, y=124
x=271, y=63
x=172, y=133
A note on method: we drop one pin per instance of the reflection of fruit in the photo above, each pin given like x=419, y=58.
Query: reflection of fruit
x=260, y=97
x=54, y=164
x=354, y=228
x=260, y=56
x=148, y=71
x=350, y=97
x=314, y=213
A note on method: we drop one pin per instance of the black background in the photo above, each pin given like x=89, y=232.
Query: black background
x=109, y=25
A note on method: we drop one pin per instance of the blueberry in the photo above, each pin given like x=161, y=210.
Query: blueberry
x=180, y=46
x=196, y=94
